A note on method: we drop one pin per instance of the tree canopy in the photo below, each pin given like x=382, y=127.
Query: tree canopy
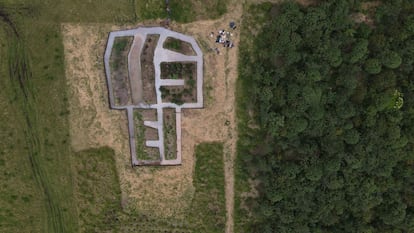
x=334, y=101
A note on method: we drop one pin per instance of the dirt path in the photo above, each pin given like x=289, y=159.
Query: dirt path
x=217, y=121
x=135, y=70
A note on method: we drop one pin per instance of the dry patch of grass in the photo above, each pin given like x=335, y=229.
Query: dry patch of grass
x=164, y=192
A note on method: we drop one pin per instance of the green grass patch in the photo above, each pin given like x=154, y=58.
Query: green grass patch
x=121, y=44
x=208, y=210
x=34, y=91
x=179, y=46
x=37, y=187
x=20, y=198
x=182, y=11
x=98, y=194
x=170, y=134
x=172, y=44
x=119, y=57
x=150, y=9
x=103, y=11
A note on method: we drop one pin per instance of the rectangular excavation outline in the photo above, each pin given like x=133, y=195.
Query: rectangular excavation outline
x=160, y=55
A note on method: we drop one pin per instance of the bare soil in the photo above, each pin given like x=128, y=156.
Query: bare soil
x=119, y=70
x=179, y=46
x=302, y=2
x=135, y=71
x=151, y=133
x=148, y=114
x=170, y=134
x=147, y=69
x=178, y=70
x=149, y=153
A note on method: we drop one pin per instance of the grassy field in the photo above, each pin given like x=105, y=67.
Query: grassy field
x=37, y=185
x=208, y=211
x=97, y=191
x=254, y=17
x=37, y=193
x=39, y=153
x=182, y=11
x=19, y=195
x=99, y=200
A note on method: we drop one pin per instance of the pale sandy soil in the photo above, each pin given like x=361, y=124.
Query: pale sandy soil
x=159, y=191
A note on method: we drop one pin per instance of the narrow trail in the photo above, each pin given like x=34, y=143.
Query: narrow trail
x=217, y=120
x=231, y=62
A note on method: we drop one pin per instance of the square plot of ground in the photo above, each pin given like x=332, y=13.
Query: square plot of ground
x=186, y=71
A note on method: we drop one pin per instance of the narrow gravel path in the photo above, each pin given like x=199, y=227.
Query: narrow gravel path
x=134, y=67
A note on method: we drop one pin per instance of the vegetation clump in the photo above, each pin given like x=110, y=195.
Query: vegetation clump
x=182, y=11
x=179, y=94
x=170, y=134
x=208, y=206
x=119, y=70
x=143, y=152
x=179, y=46
x=333, y=136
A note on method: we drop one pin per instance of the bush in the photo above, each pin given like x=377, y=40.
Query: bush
x=373, y=66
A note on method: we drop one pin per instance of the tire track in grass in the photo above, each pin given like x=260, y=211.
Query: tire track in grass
x=20, y=75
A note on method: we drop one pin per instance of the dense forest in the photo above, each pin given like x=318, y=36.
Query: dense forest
x=331, y=86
